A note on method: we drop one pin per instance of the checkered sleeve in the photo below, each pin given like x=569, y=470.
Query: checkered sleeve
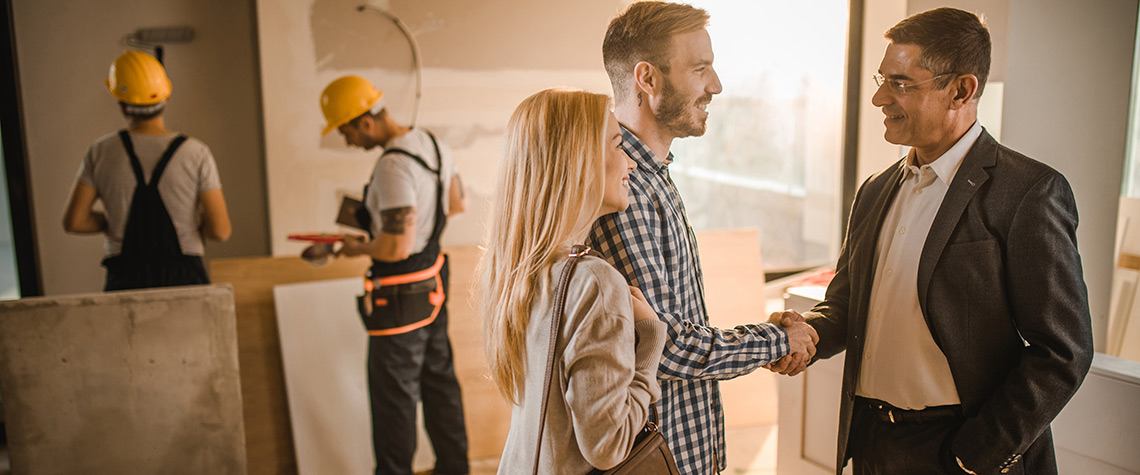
x=638, y=243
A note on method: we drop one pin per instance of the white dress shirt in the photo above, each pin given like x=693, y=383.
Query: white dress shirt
x=901, y=363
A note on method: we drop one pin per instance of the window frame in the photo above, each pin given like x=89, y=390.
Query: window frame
x=15, y=163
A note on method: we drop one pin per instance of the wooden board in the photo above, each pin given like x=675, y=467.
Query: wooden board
x=734, y=294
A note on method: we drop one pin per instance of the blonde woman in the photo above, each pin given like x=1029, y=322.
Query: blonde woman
x=562, y=168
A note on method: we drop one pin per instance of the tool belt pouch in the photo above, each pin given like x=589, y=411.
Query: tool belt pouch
x=396, y=309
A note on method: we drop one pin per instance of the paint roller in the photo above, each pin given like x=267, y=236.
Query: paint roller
x=157, y=37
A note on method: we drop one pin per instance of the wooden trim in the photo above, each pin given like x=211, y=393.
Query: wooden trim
x=1128, y=261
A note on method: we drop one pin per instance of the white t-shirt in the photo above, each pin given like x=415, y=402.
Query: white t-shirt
x=191, y=171
x=398, y=181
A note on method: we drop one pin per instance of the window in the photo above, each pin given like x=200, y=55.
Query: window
x=771, y=158
x=1132, y=168
x=9, y=279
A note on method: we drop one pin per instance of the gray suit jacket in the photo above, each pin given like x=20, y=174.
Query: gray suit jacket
x=999, y=266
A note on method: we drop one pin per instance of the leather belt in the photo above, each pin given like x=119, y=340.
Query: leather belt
x=887, y=413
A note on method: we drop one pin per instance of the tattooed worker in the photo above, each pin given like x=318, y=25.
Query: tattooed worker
x=414, y=188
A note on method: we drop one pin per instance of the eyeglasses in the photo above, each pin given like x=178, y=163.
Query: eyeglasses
x=902, y=87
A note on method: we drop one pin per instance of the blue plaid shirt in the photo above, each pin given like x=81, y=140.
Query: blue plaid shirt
x=652, y=244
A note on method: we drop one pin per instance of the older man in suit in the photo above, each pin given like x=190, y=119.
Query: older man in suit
x=958, y=294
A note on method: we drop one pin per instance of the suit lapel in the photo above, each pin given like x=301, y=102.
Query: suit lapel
x=971, y=174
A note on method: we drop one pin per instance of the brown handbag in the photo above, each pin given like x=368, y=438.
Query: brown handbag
x=649, y=455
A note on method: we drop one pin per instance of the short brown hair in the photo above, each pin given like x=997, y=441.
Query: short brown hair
x=378, y=116
x=952, y=42
x=643, y=33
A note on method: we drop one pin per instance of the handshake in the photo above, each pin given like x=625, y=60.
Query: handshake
x=801, y=340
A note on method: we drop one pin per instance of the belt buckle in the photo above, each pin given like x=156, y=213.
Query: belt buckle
x=890, y=413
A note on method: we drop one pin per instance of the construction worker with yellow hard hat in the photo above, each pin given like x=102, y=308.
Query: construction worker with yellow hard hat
x=413, y=189
x=159, y=190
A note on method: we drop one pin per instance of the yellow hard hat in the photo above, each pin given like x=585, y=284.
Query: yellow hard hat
x=347, y=98
x=138, y=79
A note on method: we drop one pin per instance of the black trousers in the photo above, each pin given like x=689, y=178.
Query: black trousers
x=910, y=445
x=402, y=370
x=124, y=273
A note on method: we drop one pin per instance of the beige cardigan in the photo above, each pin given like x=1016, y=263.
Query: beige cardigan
x=602, y=384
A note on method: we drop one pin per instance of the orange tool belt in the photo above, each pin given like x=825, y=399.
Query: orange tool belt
x=389, y=318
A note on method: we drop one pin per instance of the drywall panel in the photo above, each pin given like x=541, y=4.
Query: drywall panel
x=65, y=49
x=123, y=382
x=481, y=59
x=324, y=350
x=1053, y=113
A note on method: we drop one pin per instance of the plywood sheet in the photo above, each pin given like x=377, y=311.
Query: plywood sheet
x=734, y=293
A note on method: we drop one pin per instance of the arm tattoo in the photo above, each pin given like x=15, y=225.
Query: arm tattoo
x=395, y=220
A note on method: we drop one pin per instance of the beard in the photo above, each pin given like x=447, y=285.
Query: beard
x=675, y=116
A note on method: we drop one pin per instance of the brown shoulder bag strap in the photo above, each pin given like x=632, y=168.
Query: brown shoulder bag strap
x=555, y=324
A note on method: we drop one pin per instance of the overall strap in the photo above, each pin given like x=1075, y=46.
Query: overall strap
x=130, y=148
x=440, y=216
x=136, y=166
x=166, y=156
x=417, y=158
x=555, y=324
x=438, y=156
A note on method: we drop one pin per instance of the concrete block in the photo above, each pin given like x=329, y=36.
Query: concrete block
x=123, y=382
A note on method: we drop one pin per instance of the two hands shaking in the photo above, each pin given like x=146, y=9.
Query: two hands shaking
x=802, y=339
x=801, y=336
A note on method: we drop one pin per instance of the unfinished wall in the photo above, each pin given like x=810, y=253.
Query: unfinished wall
x=123, y=382
x=65, y=49
x=480, y=60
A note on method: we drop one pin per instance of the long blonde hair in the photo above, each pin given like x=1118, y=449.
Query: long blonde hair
x=549, y=192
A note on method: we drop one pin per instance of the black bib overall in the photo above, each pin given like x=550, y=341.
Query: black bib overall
x=151, y=255
x=402, y=296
